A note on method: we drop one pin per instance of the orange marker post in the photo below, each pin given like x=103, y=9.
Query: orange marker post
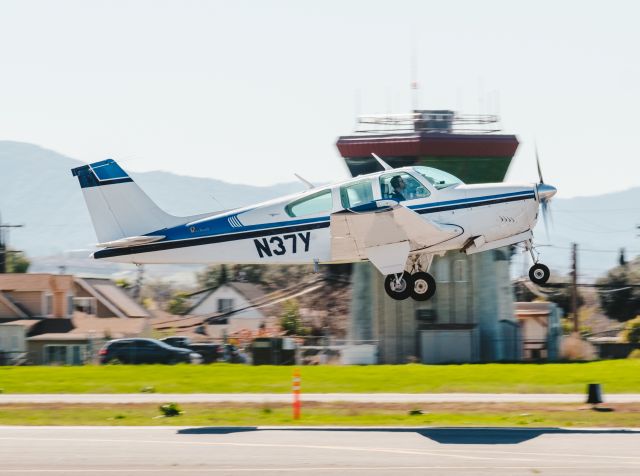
x=296, y=394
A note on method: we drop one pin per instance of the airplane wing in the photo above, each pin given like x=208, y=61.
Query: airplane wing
x=385, y=236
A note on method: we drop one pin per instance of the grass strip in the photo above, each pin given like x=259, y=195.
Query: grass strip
x=325, y=414
x=616, y=376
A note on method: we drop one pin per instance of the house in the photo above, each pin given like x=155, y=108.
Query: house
x=77, y=343
x=62, y=319
x=24, y=296
x=236, y=305
x=540, y=329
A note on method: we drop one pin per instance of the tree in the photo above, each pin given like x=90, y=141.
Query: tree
x=17, y=262
x=290, y=318
x=619, y=300
x=213, y=276
x=631, y=331
x=178, y=304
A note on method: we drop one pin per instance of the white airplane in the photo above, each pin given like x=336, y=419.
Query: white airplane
x=397, y=219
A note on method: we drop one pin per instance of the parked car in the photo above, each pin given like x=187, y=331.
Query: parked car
x=210, y=352
x=145, y=351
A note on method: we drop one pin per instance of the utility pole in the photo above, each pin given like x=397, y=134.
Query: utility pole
x=574, y=286
x=4, y=239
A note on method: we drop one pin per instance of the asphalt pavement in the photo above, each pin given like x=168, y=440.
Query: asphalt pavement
x=323, y=451
x=114, y=398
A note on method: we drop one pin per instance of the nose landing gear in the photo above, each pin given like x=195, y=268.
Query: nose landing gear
x=538, y=273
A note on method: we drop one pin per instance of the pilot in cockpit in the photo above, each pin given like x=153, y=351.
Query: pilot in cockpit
x=398, y=188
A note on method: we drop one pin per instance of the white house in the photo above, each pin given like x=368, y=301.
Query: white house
x=236, y=303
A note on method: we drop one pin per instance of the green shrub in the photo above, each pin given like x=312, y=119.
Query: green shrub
x=170, y=410
x=631, y=331
x=634, y=354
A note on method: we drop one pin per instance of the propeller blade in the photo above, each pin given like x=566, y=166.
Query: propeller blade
x=545, y=216
x=538, y=164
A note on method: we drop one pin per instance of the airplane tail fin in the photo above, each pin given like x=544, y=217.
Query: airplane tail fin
x=117, y=205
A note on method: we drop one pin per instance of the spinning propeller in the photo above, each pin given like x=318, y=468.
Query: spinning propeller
x=545, y=192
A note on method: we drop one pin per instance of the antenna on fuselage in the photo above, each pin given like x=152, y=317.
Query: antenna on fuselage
x=304, y=181
x=382, y=162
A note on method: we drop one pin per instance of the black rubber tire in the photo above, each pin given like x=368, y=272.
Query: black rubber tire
x=390, y=288
x=423, y=286
x=539, y=273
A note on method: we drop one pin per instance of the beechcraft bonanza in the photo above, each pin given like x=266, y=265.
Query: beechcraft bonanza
x=398, y=219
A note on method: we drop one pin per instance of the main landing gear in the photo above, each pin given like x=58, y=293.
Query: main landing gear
x=538, y=273
x=420, y=286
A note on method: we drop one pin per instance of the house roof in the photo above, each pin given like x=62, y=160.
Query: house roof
x=112, y=297
x=83, y=327
x=57, y=325
x=16, y=309
x=28, y=323
x=35, y=282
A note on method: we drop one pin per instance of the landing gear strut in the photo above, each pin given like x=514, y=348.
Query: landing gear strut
x=538, y=273
x=420, y=286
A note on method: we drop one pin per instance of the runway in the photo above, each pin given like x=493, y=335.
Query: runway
x=115, y=398
x=322, y=451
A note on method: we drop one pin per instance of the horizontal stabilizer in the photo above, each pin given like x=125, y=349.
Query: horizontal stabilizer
x=131, y=241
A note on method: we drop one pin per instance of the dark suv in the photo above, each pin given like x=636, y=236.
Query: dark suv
x=145, y=351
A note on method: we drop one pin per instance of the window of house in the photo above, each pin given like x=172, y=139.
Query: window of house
x=85, y=304
x=356, y=194
x=48, y=304
x=55, y=354
x=320, y=202
x=64, y=354
x=460, y=271
x=225, y=305
x=402, y=184
x=69, y=305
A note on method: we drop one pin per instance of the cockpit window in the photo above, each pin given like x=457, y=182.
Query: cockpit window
x=320, y=202
x=401, y=186
x=439, y=178
x=356, y=194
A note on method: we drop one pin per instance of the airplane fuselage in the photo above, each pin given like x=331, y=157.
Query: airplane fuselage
x=267, y=233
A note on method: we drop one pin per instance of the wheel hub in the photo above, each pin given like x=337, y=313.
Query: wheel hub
x=538, y=273
x=420, y=286
x=399, y=285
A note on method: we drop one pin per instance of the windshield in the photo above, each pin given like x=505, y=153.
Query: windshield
x=438, y=178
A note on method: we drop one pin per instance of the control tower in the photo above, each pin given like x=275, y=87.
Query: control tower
x=471, y=318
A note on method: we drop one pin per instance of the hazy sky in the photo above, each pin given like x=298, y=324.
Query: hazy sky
x=251, y=92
